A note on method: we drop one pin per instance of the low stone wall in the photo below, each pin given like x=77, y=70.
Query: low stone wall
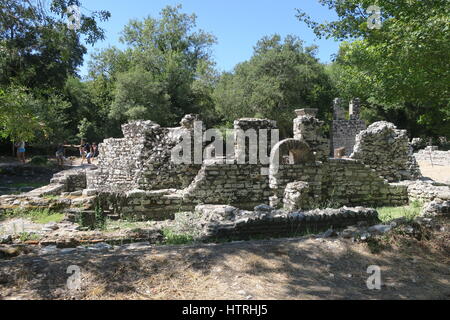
x=334, y=183
x=425, y=190
x=338, y=182
x=433, y=156
x=240, y=185
x=231, y=223
x=144, y=205
x=72, y=180
x=235, y=184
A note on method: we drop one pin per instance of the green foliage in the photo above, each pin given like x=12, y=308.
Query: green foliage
x=410, y=212
x=401, y=70
x=164, y=73
x=38, y=54
x=29, y=236
x=40, y=50
x=100, y=218
x=172, y=238
x=41, y=216
x=18, y=120
x=280, y=77
x=28, y=116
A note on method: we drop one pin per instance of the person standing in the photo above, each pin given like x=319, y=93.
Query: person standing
x=88, y=152
x=21, y=151
x=94, y=151
x=60, y=154
x=84, y=149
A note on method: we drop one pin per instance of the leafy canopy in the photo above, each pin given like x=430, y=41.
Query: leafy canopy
x=280, y=77
x=402, y=69
x=165, y=72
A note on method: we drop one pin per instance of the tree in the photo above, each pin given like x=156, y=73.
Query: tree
x=38, y=53
x=23, y=116
x=401, y=70
x=163, y=74
x=280, y=77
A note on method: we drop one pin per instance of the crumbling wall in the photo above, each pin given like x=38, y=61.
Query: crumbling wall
x=142, y=159
x=245, y=148
x=309, y=129
x=335, y=183
x=343, y=131
x=386, y=149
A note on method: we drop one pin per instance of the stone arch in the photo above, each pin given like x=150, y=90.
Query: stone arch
x=291, y=151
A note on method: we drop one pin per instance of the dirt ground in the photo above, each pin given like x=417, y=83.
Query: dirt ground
x=435, y=172
x=307, y=268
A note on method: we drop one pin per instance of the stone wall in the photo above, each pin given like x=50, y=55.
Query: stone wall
x=231, y=223
x=433, y=156
x=244, y=150
x=335, y=183
x=308, y=129
x=386, y=149
x=344, y=132
x=240, y=185
x=236, y=184
x=426, y=190
x=142, y=159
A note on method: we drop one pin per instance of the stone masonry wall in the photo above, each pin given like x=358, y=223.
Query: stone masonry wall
x=338, y=182
x=241, y=185
x=344, y=132
x=308, y=129
x=387, y=150
x=142, y=160
x=236, y=184
x=219, y=222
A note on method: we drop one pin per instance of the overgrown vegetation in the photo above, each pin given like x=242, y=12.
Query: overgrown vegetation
x=410, y=212
x=172, y=238
x=29, y=236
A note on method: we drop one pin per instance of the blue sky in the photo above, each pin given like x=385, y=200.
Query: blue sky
x=237, y=24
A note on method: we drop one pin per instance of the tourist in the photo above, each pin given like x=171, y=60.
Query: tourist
x=81, y=148
x=85, y=148
x=21, y=151
x=60, y=154
x=95, y=152
x=90, y=152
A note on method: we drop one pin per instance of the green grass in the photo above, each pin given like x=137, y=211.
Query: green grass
x=28, y=236
x=51, y=197
x=40, y=216
x=172, y=238
x=387, y=214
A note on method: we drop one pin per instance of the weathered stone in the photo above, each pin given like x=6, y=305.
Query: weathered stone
x=387, y=150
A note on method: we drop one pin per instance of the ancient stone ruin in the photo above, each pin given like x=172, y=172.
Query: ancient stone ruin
x=344, y=131
x=259, y=184
x=386, y=149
